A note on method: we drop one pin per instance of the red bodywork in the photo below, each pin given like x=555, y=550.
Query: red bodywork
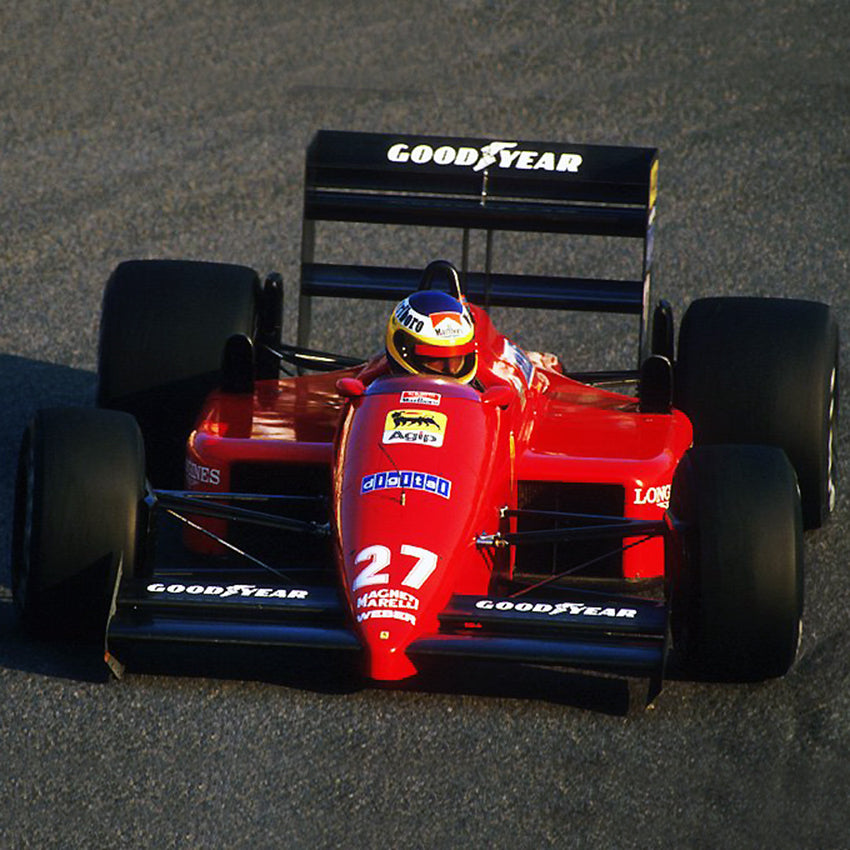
x=421, y=466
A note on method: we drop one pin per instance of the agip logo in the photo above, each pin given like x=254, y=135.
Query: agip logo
x=422, y=427
x=494, y=154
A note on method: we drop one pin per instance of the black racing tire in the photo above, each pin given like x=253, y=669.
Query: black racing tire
x=164, y=325
x=737, y=587
x=79, y=513
x=765, y=371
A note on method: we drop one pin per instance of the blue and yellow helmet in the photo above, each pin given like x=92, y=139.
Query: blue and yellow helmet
x=431, y=333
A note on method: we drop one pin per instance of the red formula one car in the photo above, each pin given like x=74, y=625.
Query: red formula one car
x=457, y=496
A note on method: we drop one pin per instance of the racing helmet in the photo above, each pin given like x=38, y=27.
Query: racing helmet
x=431, y=333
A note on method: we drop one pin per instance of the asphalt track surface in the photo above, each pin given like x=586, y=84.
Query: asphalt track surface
x=173, y=129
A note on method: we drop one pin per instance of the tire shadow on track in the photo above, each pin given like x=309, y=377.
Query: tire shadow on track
x=26, y=386
x=57, y=660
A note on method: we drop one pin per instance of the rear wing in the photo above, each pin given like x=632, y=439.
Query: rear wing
x=479, y=184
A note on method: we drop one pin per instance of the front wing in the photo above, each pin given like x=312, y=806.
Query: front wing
x=584, y=629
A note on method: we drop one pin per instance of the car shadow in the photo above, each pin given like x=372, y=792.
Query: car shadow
x=597, y=693
x=319, y=672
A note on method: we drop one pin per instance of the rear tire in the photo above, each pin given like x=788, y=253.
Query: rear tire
x=79, y=512
x=737, y=592
x=164, y=325
x=765, y=371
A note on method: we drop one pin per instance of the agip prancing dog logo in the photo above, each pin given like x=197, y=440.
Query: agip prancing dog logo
x=419, y=427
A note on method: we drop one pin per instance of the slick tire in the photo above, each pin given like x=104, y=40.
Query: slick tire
x=79, y=514
x=164, y=325
x=765, y=371
x=737, y=589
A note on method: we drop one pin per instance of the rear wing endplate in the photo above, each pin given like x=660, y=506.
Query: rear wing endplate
x=481, y=184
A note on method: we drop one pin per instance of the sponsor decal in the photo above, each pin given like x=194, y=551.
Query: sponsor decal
x=448, y=325
x=198, y=474
x=425, y=427
x=420, y=397
x=519, y=358
x=553, y=609
x=391, y=603
x=445, y=324
x=405, y=616
x=409, y=317
x=376, y=600
x=416, y=419
x=406, y=479
x=222, y=592
x=388, y=597
x=497, y=153
x=658, y=496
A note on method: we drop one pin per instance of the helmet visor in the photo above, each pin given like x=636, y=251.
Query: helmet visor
x=450, y=360
x=451, y=366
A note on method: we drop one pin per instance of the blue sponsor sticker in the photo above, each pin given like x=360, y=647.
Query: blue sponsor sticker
x=519, y=358
x=407, y=480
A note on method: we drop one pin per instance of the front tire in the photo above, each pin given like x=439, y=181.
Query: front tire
x=79, y=512
x=737, y=591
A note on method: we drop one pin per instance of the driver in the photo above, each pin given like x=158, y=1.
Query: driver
x=431, y=333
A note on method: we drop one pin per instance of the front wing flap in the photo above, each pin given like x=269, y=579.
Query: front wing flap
x=206, y=607
x=586, y=629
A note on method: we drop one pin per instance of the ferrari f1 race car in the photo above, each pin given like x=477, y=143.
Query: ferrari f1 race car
x=455, y=496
